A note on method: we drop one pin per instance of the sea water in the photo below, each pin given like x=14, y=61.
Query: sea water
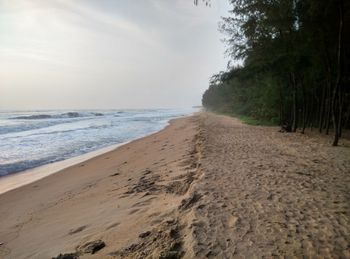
x=29, y=139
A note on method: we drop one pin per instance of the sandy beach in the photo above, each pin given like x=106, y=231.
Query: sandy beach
x=207, y=186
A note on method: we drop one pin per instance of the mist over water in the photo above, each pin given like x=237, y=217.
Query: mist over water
x=33, y=138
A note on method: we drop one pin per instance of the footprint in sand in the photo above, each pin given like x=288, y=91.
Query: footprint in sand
x=77, y=230
x=133, y=211
x=113, y=225
x=233, y=221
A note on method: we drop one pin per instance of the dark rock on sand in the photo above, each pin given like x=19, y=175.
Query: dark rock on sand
x=171, y=255
x=188, y=203
x=145, y=234
x=91, y=247
x=67, y=256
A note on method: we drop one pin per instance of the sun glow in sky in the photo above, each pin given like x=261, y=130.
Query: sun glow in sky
x=71, y=54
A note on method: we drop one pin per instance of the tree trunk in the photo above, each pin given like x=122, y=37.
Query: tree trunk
x=322, y=109
x=304, y=105
x=329, y=85
x=328, y=107
x=337, y=102
x=295, y=107
x=310, y=118
x=281, y=105
x=328, y=119
x=347, y=116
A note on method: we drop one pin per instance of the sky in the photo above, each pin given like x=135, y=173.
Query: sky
x=108, y=54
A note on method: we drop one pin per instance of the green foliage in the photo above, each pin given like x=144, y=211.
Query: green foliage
x=293, y=63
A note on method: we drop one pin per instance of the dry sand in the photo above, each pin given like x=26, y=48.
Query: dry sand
x=267, y=194
x=207, y=186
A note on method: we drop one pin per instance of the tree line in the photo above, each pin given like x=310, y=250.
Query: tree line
x=294, y=67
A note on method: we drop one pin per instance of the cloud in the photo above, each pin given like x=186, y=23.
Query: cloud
x=123, y=53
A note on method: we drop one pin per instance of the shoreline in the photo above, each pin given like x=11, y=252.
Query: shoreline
x=19, y=179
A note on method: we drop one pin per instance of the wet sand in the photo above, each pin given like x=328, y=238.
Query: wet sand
x=13, y=181
x=206, y=186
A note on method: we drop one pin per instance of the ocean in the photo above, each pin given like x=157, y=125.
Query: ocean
x=29, y=139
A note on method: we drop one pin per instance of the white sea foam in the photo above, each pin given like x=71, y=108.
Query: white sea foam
x=35, y=138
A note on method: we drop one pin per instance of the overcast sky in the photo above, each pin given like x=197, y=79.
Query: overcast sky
x=72, y=54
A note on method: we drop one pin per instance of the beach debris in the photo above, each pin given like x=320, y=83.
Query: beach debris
x=115, y=174
x=147, y=171
x=286, y=127
x=171, y=255
x=163, y=241
x=91, y=247
x=67, y=256
x=170, y=221
x=188, y=203
x=145, y=234
x=146, y=185
x=181, y=186
x=87, y=248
